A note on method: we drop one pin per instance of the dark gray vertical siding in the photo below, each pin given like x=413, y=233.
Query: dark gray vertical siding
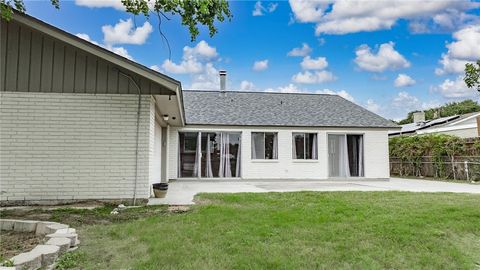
x=23, y=69
x=80, y=72
x=35, y=63
x=47, y=65
x=91, y=74
x=69, y=70
x=12, y=57
x=3, y=53
x=58, y=66
x=32, y=61
x=102, y=74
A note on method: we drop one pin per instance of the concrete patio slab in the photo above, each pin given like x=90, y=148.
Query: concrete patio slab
x=182, y=192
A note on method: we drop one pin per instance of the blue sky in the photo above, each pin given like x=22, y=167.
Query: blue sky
x=388, y=56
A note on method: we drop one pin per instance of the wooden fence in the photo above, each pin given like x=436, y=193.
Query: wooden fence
x=458, y=168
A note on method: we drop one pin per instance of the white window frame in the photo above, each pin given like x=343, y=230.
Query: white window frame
x=304, y=145
x=264, y=145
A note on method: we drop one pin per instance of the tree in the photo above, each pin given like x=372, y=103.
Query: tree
x=192, y=12
x=472, y=75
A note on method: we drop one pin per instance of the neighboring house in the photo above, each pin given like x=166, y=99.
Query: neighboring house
x=79, y=122
x=464, y=126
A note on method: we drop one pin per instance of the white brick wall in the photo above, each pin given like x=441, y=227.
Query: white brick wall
x=73, y=146
x=376, y=153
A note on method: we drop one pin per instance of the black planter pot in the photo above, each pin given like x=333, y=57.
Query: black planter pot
x=160, y=190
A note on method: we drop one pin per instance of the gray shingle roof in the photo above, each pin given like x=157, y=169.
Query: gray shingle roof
x=276, y=109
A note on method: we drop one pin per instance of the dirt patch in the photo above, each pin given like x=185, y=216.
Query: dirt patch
x=79, y=217
x=14, y=243
x=178, y=209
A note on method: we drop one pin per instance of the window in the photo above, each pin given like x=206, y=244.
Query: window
x=264, y=145
x=209, y=154
x=345, y=155
x=304, y=146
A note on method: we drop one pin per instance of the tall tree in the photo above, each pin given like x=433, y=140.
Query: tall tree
x=192, y=12
x=472, y=75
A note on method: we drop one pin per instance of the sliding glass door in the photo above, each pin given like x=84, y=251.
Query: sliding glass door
x=345, y=155
x=209, y=154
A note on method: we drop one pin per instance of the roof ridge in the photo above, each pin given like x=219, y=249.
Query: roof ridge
x=258, y=92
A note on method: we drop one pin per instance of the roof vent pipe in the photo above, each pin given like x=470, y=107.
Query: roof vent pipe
x=223, y=80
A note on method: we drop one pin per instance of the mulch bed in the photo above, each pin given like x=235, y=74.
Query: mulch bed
x=13, y=243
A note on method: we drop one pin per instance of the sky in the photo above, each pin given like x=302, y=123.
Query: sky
x=390, y=57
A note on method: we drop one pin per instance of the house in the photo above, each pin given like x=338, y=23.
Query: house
x=79, y=122
x=464, y=126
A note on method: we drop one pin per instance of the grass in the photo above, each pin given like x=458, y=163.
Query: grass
x=301, y=230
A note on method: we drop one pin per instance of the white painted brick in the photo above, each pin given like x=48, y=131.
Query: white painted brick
x=70, y=146
x=375, y=149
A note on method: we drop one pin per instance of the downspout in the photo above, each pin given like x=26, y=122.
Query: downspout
x=137, y=133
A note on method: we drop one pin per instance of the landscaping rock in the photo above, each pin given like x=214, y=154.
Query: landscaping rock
x=72, y=236
x=49, y=253
x=121, y=207
x=42, y=228
x=25, y=226
x=6, y=224
x=67, y=230
x=62, y=243
x=27, y=261
x=53, y=228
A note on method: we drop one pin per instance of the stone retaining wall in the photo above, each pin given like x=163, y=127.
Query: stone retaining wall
x=59, y=239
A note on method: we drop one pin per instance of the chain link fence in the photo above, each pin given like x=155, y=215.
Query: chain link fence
x=458, y=168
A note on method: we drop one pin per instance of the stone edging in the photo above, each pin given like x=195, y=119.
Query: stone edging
x=60, y=239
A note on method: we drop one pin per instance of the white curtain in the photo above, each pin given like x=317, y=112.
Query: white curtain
x=343, y=165
x=237, y=167
x=360, y=155
x=314, y=146
x=294, y=147
x=208, y=169
x=179, y=159
x=198, y=155
x=275, y=146
x=224, y=168
x=258, y=146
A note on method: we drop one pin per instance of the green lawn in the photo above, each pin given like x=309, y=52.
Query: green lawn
x=302, y=230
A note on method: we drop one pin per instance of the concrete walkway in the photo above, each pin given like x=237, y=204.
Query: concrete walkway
x=182, y=192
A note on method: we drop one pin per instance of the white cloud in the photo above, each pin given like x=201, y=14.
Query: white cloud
x=403, y=80
x=344, y=94
x=124, y=32
x=303, y=51
x=453, y=89
x=385, y=58
x=272, y=7
x=87, y=38
x=308, y=77
x=186, y=66
x=117, y=4
x=292, y=88
x=118, y=50
x=351, y=16
x=192, y=59
x=259, y=9
x=260, y=65
x=156, y=68
x=372, y=106
x=207, y=80
x=308, y=10
x=405, y=100
x=314, y=63
x=202, y=49
x=247, y=86
x=465, y=49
